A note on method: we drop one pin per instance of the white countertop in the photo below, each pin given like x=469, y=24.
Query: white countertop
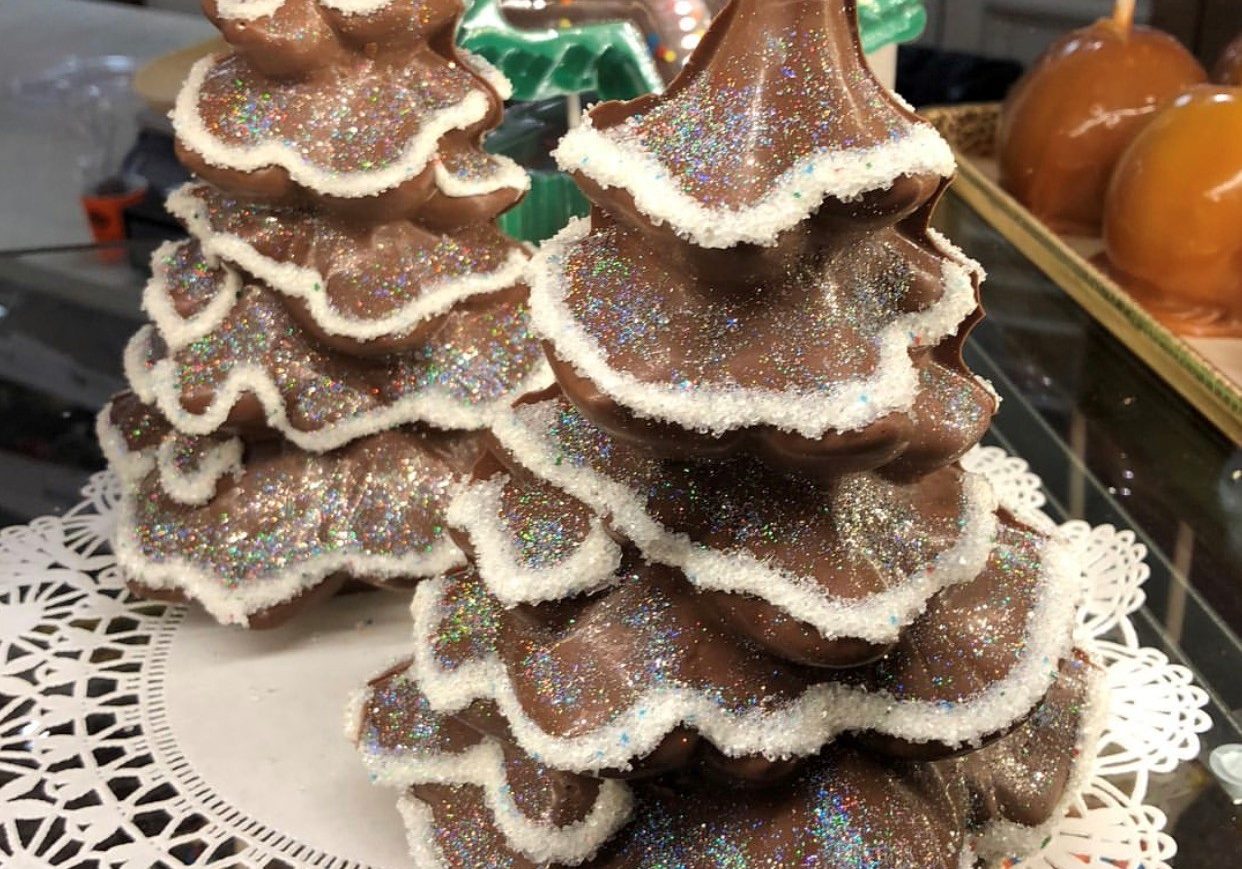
x=38, y=185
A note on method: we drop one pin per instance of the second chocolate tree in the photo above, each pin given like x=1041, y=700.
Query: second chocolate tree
x=342, y=319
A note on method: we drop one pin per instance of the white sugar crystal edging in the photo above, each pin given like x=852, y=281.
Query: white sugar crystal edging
x=878, y=618
x=131, y=466
x=221, y=457
x=612, y=159
x=306, y=284
x=235, y=604
x=486, y=70
x=1001, y=840
x=178, y=331
x=847, y=406
x=158, y=385
x=227, y=603
x=998, y=841
x=799, y=728
x=249, y=10
x=588, y=568
x=194, y=134
x=483, y=765
x=506, y=174
x=420, y=831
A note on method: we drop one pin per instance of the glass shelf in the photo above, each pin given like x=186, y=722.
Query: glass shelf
x=1116, y=445
x=65, y=315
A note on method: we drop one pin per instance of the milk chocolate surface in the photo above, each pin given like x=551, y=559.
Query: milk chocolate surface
x=256, y=368
x=365, y=275
x=770, y=84
x=289, y=519
x=659, y=636
x=845, y=808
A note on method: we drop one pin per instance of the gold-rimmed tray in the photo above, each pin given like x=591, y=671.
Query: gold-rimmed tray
x=1207, y=372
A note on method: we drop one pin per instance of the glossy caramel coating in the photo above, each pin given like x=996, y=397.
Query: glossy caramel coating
x=1066, y=123
x=1173, y=222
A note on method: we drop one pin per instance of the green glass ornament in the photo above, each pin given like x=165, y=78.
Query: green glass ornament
x=885, y=22
x=610, y=59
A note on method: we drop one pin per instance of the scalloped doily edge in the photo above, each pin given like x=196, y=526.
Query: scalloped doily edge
x=74, y=542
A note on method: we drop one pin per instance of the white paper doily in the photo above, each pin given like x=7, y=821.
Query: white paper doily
x=138, y=734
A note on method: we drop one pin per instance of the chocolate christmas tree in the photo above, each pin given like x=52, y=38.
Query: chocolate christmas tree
x=342, y=320
x=732, y=600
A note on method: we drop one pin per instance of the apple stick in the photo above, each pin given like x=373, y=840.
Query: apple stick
x=1123, y=14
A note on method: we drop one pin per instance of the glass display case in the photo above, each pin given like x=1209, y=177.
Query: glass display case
x=1116, y=445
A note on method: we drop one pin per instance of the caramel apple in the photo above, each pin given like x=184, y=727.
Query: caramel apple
x=1228, y=68
x=1068, y=120
x=1173, y=219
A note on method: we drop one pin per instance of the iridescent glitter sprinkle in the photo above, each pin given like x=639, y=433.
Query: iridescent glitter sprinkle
x=380, y=498
x=360, y=119
x=729, y=135
x=478, y=356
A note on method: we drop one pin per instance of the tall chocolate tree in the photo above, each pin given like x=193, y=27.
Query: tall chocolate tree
x=732, y=599
x=342, y=319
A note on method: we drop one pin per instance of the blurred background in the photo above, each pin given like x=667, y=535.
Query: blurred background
x=1019, y=29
